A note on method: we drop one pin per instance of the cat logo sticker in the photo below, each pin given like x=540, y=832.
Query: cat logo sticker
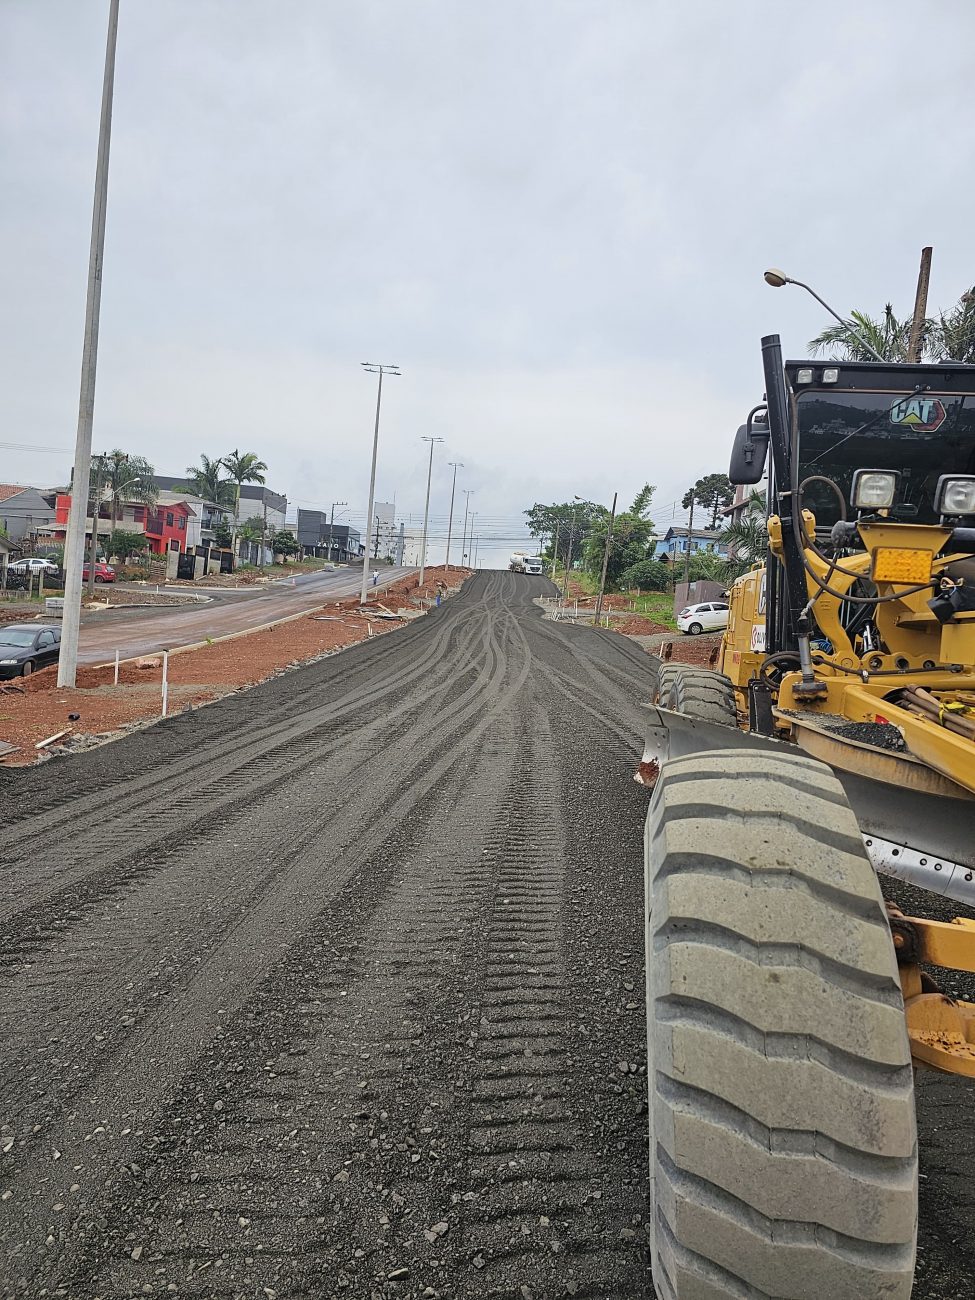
x=919, y=414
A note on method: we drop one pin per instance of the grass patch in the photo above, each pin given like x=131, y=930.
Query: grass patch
x=658, y=605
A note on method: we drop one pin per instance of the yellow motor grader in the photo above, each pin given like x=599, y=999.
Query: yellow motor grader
x=788, y=1005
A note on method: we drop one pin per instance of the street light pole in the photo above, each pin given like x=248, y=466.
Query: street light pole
x=74, y=549
x=379, y=370
x=458, y=464
x=778, y=279
x=426, y=510
x=602, y=580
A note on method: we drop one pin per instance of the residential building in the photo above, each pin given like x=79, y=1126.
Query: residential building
x=25, y=511
x=674, y=543
x=166, y=524
x=383, y=534
x=255, y=499
x=748, y=500
x=313, y=534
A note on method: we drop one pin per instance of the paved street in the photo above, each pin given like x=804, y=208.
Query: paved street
x=147, y=631
x=334, y=988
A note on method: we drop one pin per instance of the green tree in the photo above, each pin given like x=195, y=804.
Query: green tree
x=123, y=543
x=222, y=535
x=251, y=529
x=712, y=493
x=631, y=542
x=243, y=467
x=572, y=520
x=285, y=543
x=646, y=575
x=708, y=566
x=204, y=481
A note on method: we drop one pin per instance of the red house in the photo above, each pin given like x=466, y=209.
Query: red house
x=165, y=526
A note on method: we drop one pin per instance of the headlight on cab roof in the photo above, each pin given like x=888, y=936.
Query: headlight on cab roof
x=955, y=494
x=874, y=489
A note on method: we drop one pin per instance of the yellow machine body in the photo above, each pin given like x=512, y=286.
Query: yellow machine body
x=923, y=684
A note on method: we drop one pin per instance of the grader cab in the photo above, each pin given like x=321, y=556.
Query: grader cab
x=788, y=1004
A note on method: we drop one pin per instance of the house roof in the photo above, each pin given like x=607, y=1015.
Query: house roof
x=709, y=534
x=8, y=490
x=172, y=499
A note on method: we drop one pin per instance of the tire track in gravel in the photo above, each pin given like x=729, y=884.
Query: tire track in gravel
x=152, y=805
x=104, y=856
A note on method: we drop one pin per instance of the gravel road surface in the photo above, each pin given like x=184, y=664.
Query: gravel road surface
x=334, y=988
x=147, y=631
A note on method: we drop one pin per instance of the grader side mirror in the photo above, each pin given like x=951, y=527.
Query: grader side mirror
x=749, y=453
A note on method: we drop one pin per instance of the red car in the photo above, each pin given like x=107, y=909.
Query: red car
x=103, y=572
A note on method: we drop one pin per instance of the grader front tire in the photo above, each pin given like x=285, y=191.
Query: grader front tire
x=783, y=1151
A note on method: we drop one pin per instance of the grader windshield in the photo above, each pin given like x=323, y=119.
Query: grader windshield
x=920, y=434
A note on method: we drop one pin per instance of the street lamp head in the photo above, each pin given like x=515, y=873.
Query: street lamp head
x=776, y=278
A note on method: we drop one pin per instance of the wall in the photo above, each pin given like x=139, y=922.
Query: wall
x=24, y=513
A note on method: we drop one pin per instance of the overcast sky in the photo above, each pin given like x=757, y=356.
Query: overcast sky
x=552, y=214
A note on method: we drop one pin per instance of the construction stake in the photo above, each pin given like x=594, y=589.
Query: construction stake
x=165, y=683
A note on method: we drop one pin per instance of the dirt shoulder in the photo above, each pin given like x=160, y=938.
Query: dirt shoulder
x=34, y=708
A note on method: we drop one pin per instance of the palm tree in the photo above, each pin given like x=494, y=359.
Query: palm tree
x=888, y=336
x=950, y=336
x=747, y=537
x=204, y=481
x=126, y=478
x=243, y=467
x=953, y=333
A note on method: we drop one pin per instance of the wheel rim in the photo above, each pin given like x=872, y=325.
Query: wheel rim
x=695, y=629
x=27, y=669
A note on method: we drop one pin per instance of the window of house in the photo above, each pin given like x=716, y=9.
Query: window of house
x=181, y=522
x=139, y=514
x=169, y=518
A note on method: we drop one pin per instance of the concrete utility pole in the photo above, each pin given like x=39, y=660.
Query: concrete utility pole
x=380, y=370
x=426, y=510
x=331, y=525
x=568, y=562
x=74, y=549
x=920, y=307
x=468, y=493
x=609, y=542
x=555, y=547
x=457, y=464
x=687, y=554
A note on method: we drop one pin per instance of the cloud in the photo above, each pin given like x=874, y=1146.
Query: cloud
x=554, y=216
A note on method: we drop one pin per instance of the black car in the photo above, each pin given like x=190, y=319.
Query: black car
x=26, y=646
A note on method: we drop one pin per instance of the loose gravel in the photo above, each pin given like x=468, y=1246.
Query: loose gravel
x=335, y=988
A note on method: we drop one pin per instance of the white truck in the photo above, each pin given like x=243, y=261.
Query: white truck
x=522, y=563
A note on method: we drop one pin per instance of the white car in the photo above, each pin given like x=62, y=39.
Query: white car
x=709, y=617
x=33, y=565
